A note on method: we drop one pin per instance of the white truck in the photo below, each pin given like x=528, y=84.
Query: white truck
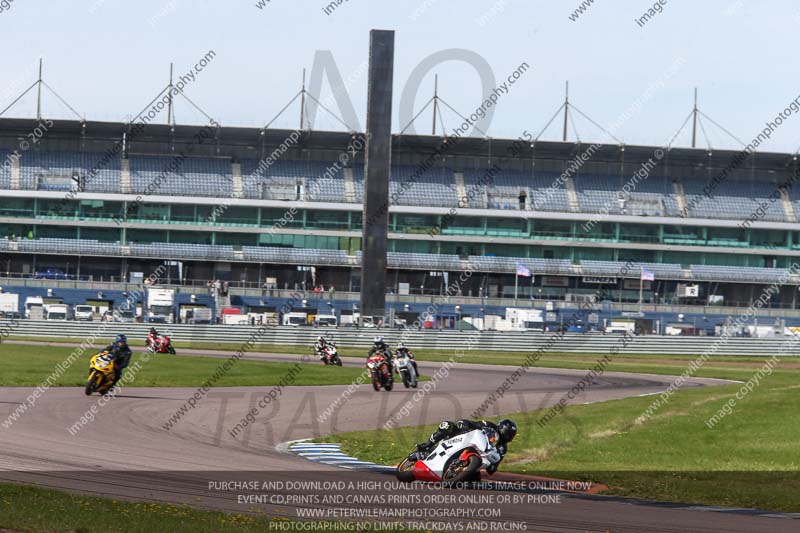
x=520, y=320
x=160, y=306
x=84, y=312
x=295, y=319
x=34, y=305
x=326, y=320
x=60, y=312
x=9, y=305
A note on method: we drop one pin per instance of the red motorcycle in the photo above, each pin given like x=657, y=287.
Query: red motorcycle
x=380, y=372
x=160, y=344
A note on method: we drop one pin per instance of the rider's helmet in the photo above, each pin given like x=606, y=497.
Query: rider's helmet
x=377, y=340
x=507, y=429
x=121, y=339
x=401, y=347
x=153, y=331
x=320, y=339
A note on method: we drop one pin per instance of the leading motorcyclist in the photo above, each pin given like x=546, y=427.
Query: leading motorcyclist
x=381, y=348
x=402, y=350
x=506, y=429
x=121, y=354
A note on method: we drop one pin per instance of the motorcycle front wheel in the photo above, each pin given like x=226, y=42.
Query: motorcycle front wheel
x=458, y=471
x=376, y=382
x=406, y=380
x=337, y=361
x=91, y=386
x=171, y=349
x=405, y=470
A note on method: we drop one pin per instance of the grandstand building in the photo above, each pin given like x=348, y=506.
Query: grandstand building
x=100, y=201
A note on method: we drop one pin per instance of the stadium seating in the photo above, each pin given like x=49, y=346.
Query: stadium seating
x=733, y=200
x=743, y=274
x=294, y=180
x=633, y=270
x=58, y=170
x=506, y=186
x=193, y=176
x=5, y=170
x=72, y=246
x=509, y=264
x=603, y=194
x=434, y=188
x=402, y=260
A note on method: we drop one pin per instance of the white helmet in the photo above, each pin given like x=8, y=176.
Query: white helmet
x=378, y=340
x=320, y=338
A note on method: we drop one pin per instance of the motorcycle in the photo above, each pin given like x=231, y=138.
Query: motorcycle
x=380, y=372
x=406, y=369
x=330, y=355
x=160, y=344
x=101, y=374
x=454, y=460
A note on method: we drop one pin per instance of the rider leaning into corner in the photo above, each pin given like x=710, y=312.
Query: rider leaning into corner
x=121, y=353
x=505, y=428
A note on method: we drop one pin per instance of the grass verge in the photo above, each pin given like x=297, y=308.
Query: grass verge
x=750, y=458
x=30, y=365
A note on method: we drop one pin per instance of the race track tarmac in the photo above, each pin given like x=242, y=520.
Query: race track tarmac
x=131, y=451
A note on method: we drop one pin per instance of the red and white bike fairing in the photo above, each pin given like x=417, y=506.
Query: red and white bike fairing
x=454, y=460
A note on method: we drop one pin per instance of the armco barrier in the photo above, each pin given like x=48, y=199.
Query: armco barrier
x=417, y=340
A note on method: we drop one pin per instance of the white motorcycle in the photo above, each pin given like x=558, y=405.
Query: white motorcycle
x=454, y=460
x=406, y=369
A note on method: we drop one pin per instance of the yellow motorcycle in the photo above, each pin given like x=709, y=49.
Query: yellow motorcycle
x=101, y=373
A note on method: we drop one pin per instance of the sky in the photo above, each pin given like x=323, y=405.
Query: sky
x=109, y=58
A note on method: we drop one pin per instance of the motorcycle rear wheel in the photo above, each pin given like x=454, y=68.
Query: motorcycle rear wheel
x=405, y=470
x=458, y=471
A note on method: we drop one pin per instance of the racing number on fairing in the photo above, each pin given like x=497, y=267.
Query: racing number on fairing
x=444, y=452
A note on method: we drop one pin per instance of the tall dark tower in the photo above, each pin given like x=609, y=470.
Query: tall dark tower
x=378, y=164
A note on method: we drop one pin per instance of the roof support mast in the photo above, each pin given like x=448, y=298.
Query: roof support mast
x=170, y=110
x=694, y=124
x=303, y=101
x=435, y=101
x=39, y=93
x=566, y=112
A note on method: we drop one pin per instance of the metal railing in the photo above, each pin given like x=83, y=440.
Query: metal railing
x=419, y=340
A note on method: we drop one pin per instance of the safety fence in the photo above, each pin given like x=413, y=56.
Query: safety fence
x=445, y=340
